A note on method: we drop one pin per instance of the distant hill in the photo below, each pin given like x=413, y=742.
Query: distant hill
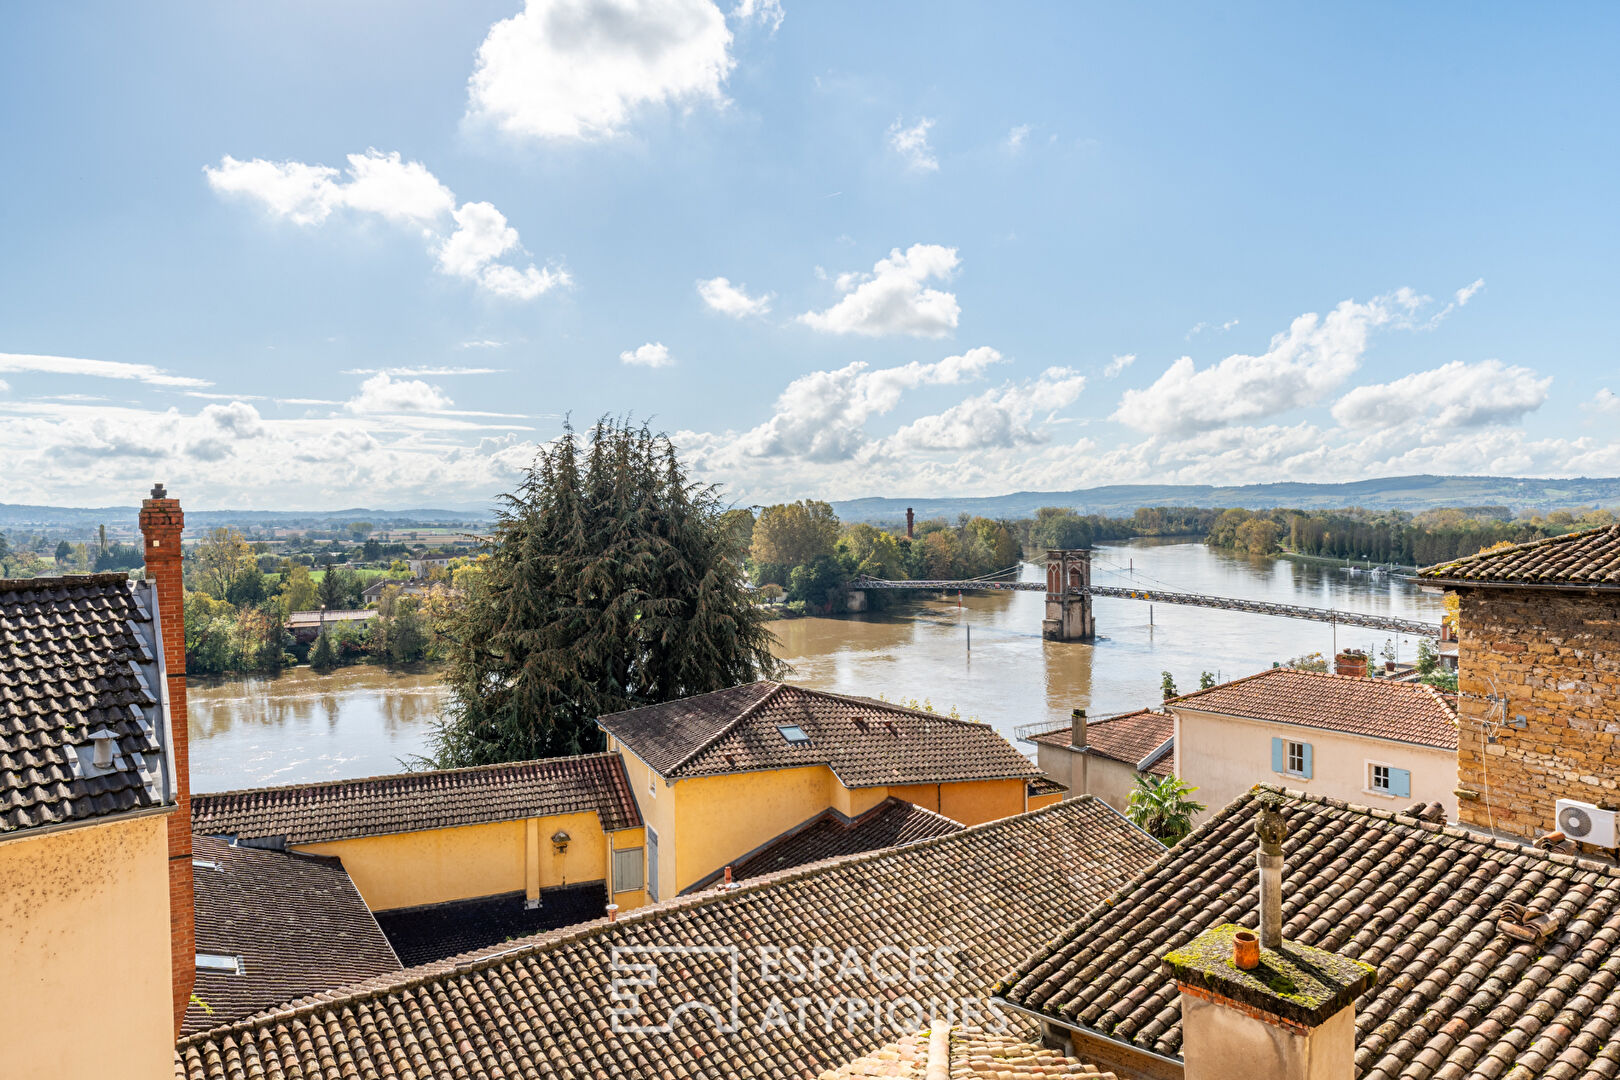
x=1391, y=493
x=17, y=516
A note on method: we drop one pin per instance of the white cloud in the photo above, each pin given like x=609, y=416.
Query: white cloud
x=728, y=299
x=1017, y=137
x=652, y=354
x=1217, y=327
x=485, y=343
x=1466, y=293
x=768, y=13
x=822, y=416
x=383, y=394
x=1454, y=395
x=401, y=192
x=1119, y=364
x=1002, y=418
x=1307, y=361
x=911, y=143
x=206, y=395
x=892, y=299
x=578, y=69
x=1604, y=401
x=409, y=371
x=18, y=363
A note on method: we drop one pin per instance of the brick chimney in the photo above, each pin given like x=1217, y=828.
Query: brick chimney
x=1350, y=662
x=1269, y=1009
x=161, y=524
x=911, y=520
x=1077, y=729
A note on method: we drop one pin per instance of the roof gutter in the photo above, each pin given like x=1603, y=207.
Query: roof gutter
x=1464, y=583
x=1089, y=1033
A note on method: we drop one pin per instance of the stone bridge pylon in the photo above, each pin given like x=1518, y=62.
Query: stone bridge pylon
x=1068, y=596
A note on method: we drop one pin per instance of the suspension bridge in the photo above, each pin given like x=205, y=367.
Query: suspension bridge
x=1069, y=592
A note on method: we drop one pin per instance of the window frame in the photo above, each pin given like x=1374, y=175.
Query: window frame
x=799, y=739
x=217, y=962
x=639, y=853
x=1289, y=747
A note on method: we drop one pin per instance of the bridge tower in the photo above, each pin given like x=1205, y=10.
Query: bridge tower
x=1068, y=596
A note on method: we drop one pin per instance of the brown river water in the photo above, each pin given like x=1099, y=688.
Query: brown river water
x=363, y=721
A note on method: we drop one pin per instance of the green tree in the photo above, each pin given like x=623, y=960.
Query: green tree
x=1160, y=806
x=1206, y=679
x=64, y=551
x=873, y=552
x=795, y=534
x=298, y=588
x=1056, y=527
x=210, y=625
x=609, y=583
x=1428, y=657
x=217, y=562
x=323, y=655
x=1168, y=685
x=339, y=589
x=408, y=636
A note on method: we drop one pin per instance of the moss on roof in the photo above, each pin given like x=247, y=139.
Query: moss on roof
x=1293, y=981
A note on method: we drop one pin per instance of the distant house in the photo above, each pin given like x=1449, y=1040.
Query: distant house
x=1356, y=738
x=720, y=775
x=514, y=845
x=420, y=567
x=273, y=926
x=1103, y=757
x=305, y=626
x=373, y=592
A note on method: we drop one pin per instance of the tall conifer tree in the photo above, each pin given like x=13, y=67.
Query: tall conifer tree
x=608, y=586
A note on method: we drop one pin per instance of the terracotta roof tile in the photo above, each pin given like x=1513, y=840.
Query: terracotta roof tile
x=866, y=743
x=1354, y=704
x=297, y=922
x=1590, y=558
x=77, y=656
x=830, y=834
x=1128, y=737
x=985, y=896
x=1456, y=997
x=410, y=802
x=969, y=1053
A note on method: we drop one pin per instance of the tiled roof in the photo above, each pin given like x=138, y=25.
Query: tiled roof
x=830, y=834
x=1354, y=704
x=866, y=743
x=967, y=1054
x=1129, y=737
x=1589, y=559
x=78, y=656
x=1456, y=997
x=409, y=802
x=297, y=922
x=984, y=897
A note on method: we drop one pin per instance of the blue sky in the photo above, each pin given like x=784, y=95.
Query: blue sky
x=320, y=255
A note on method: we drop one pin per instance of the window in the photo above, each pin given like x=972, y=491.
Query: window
x=1379, y=780
x=627, y=875
x=1386, y=779
x=1291, y=758
x=228, y=965
x=204, y=864
x=793, y=733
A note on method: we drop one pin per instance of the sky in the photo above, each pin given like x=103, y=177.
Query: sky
x=320, y=255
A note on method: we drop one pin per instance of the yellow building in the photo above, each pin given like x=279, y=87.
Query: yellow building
x=88, y=780
x=448, y=858
x=722, y=775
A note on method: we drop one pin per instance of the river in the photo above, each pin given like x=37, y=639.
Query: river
x=362, y=721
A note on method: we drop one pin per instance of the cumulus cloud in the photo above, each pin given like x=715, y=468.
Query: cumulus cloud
x=1604, y=401
x=383, y=394
x=767, y=13
x=1454, y=395
x=1002, y=418
x=1017, y=137
x=733, y=300
x=892, y=299
x=911, y=143
x=19, y=363
x=579, y=69
x=403, y=193
x=1119, y=364
x=822, y=416
x=1313, y=357
x=652, y=354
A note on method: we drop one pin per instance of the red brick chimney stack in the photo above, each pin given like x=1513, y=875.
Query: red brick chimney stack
x=911, y=520
x=161, y=524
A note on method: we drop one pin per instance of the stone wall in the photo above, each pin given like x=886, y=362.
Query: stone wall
x=1555, y=657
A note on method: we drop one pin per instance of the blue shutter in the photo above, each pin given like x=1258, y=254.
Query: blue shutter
x=1400, y=782
x=1307, y=748
x=1276, y=755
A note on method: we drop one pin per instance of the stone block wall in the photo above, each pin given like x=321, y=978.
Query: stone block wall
x=1555, y=657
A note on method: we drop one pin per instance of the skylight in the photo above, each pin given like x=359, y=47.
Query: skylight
x=793, y=733
x=230, y=965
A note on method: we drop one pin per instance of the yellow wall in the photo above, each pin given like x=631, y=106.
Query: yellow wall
x=656, y=801
x=971, y=802
x=1038, y=801
x=629, y=838
x=439, y=865
x=720, y=818
x=84, y=953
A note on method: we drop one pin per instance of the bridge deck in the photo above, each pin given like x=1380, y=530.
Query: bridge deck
x=1162, y=596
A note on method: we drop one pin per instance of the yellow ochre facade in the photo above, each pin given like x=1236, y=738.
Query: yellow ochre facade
x=86, y=968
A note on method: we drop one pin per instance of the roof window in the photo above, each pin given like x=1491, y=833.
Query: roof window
x=204, y=864
x=793, y=733
x=229, y=965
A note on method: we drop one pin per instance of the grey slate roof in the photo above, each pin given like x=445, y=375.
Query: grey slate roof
x=297, y=922
x=866, y=743
x=1588, y=559
x=1456, y=998
x=544, y=1007
x=79, y=655
x=414, y=801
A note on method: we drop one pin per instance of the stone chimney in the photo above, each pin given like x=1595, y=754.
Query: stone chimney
x=911, y=520
x=1267, y=1009
x=161, y=524
x=1077, y=729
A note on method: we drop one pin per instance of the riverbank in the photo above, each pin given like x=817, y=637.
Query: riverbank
x=1329, y=560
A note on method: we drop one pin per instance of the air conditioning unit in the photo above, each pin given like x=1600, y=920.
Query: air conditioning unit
x=1586, y=823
